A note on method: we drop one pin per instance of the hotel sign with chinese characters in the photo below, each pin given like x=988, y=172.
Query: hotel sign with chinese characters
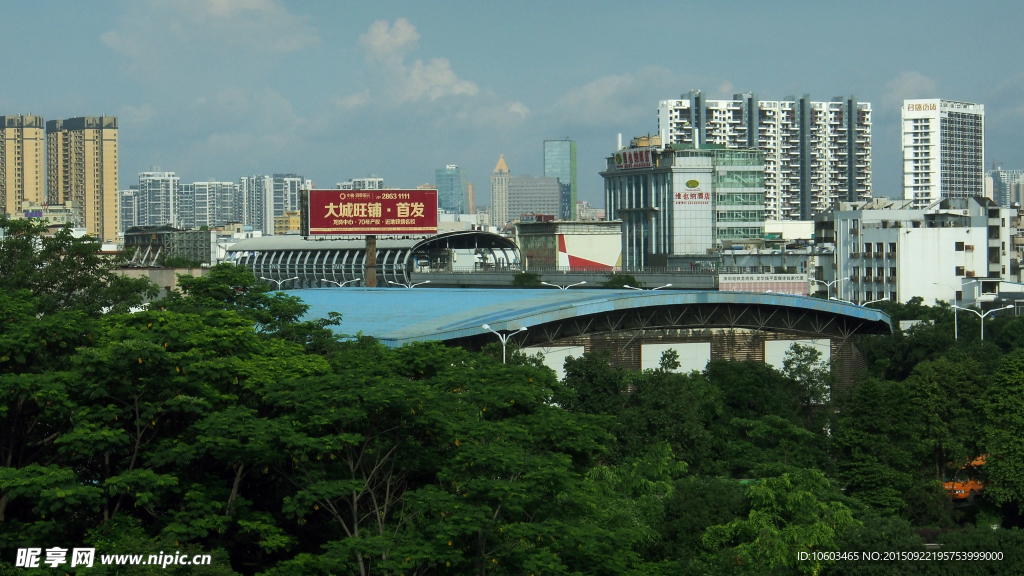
x=372, y=212
x=635, y=158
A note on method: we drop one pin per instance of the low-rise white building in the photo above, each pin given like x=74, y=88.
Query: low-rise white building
x=953, y=250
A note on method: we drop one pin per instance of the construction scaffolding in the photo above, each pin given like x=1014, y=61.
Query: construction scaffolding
x=153, y=244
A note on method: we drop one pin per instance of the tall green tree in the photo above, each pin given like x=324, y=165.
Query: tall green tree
x=789, y=514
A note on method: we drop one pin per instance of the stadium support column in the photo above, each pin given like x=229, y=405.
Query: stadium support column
x=370, y=262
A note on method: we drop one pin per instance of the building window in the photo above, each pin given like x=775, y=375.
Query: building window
x=959, y=295
x=892, y=296
x=959, y=246
x=959, y=270
x=892, y=247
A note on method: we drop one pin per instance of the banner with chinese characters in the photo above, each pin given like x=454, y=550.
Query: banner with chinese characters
x=635, y=158
x=372, y=212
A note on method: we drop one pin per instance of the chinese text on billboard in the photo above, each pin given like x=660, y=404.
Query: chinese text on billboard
x=372, y=211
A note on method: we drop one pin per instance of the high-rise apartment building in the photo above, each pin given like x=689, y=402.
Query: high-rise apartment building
x=287, y=188
x=216, y=203
x=81, y=165
x=1005, y=186
x=22, y=141
x=814, y=152
x=158, y=201
x=943, y=150
x=185, y=207
x=529, y=195
x=452, y=195
x=560, y=162
x=499, y=193
x=128, y=208
x=368, y=183
x=256, y=196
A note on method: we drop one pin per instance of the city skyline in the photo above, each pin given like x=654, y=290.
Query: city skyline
x=219, y=108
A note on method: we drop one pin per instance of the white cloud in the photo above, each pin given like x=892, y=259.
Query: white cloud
x=389, y=44
x=161, y=37
x=138, y=115
x=619, y=98
x=907, y=85
x=519, y=108
x=386, y=48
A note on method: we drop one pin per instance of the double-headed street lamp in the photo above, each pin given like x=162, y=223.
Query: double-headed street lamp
x=635, y=288
x=956, y=322
x=503, y=337
x=342, y=284
x=828, y=285
x=982, y=316
x=562, y=286
x=873, y=301
x=409, y=285
x=278, y=282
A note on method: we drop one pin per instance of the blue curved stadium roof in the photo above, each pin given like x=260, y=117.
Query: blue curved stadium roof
x=398, y=316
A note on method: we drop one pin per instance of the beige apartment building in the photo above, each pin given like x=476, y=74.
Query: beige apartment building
x=21, y=163
x=81, y=166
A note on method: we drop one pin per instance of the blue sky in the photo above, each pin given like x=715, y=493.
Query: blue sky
x=215, y=89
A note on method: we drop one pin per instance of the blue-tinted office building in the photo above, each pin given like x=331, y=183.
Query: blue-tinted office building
x=560, y=162
x=452, y=189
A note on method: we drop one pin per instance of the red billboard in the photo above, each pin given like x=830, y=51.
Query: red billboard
x=372, y=212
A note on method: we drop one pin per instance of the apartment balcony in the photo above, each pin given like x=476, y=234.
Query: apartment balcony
x=890, y=254
x=890, y=279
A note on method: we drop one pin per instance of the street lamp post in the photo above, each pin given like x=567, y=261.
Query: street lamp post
x=635, y=288
x=982, y=316
x=342, y=284
x=563, y=286
x=279, y=282
x=503, y=337
x=873, y=301
x=828, y=285
x=956, y=323
x=409, y=285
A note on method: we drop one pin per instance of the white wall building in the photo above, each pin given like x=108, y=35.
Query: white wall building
x=814, y=152
x=156, y=200
x=951, y=250
x=943, y=150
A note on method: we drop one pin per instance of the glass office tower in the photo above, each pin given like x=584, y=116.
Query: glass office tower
x=560, y=162
x=451, y=189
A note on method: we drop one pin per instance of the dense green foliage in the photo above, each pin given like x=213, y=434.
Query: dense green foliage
x=219, y=421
